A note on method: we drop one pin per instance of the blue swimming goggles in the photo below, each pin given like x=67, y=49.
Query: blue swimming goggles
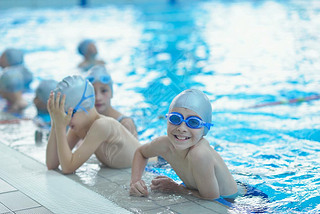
x=105, y=79
x=192, y=122
x=83, y=98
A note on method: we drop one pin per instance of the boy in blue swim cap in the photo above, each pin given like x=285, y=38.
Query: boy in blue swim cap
x=88, y=50
x=71, y=105
x=14, y=58
x=198, y=165
x=11, y=89
x=102, y=83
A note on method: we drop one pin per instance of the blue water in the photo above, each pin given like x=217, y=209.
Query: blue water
x=241, y=53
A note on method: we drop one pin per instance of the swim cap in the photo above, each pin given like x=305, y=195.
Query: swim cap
x=98, y=73
x=83, y=46
x=79, y=93
x=13, y=56
x=11, y=80
x=44, y=89
x=196, y=101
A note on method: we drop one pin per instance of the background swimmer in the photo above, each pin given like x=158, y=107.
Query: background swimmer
x=40, y=101
x=11, y=89
x=199, y=166
x=103, y=136
x=15, y=58
x=102, y=83
x=88, y=50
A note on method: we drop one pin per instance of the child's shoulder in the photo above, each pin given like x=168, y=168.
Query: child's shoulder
x=104, y=121
x=201, y=149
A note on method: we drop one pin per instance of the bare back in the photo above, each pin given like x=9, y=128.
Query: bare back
x=119, y=145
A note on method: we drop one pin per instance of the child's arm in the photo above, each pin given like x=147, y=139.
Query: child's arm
x=52, y=159
x=203, y=173
x=140, y=159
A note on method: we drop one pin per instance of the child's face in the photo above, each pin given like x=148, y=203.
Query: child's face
x=181, y=136
x=103, y=95
x=41, y=106
x=92, y=50
x=3, y=61
x=78, y=120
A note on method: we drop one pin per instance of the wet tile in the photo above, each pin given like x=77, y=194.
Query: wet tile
x=114, y=174
x=191, y=207
x=38, y=210
x=212, y=205
x=162, y=210
x=5, y=187
x=139, y=204
x=163, y=199
x=17, y=201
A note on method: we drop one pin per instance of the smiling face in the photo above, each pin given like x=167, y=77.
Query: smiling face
x=181, y=136
x=103, y=94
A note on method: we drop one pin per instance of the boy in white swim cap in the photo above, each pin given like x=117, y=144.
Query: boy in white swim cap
x=11, y=89
x=88, y=50
x=71, y=105
x=199, y=166
x=12, y=57
x=102, y=83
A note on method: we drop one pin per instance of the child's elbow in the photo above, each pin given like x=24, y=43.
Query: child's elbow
x=209, y=196
x=51, y=166
x=67, y=171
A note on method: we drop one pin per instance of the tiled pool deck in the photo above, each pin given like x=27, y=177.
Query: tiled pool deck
x=26, y=186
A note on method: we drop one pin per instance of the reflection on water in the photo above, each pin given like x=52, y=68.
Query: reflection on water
x=241, y=53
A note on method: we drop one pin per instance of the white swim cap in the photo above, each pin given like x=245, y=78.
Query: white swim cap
x=83, y=46
x=11, y=80
x=99, y=73
x=196, y=101
x=13, y=56
x=44, y=89
x=79, y=93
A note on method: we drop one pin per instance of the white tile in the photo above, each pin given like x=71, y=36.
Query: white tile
x=5, y=187
x=17, y=201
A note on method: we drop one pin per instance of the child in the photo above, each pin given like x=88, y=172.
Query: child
x=11, y=89
x=14, y=58
x=72, y=104
x=102, y=84
x=89, y=51
x=199, y=166
x=40, y=101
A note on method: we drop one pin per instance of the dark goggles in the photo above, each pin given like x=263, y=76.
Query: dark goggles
x=192, y=122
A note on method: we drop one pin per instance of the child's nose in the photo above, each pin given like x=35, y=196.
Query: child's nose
x=182, y=127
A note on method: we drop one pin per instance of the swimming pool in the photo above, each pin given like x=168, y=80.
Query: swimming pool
x=241, y=53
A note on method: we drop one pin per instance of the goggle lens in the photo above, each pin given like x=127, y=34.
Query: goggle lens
x=193, y=122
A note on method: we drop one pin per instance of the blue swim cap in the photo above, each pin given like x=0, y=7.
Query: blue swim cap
x=13, y=56
x=79, y=93
x=196, y=101
x=11, y=80
x=44, y=88
x=99, y=73
x=83, y=46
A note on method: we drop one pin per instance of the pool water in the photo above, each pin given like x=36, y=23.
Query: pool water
x=240, y=53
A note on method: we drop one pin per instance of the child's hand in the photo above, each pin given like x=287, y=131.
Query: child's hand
x=56, y=109
x=164, y=184
x=139, y=188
